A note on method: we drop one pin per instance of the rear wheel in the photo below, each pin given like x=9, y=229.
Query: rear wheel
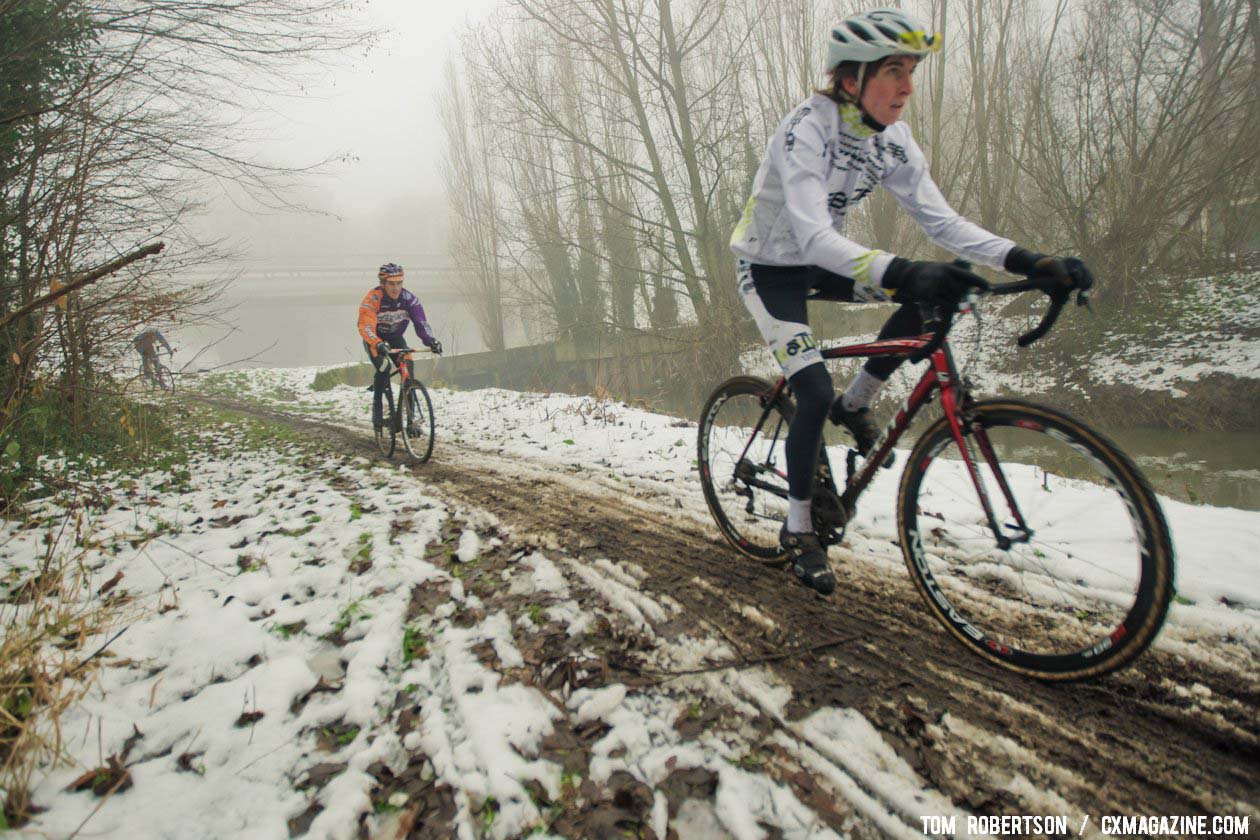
x=1078, y=577
x=743, y=465
x=417, y=425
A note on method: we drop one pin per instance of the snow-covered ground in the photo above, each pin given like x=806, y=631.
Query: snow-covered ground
x=310, y=646
x=624, y=448
x=1217, y=331
x=272, y=644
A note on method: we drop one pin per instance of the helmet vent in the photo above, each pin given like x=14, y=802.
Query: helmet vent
x=864, y=33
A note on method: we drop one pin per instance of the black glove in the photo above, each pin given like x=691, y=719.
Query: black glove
x=937, y=283
x=1056, y=276
x=436, y=346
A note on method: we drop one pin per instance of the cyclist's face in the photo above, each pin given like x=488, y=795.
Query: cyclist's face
x=888, y=90
x=393, y=286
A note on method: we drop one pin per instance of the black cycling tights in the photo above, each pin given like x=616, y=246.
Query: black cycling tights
x=783, y=291
x=815, y=394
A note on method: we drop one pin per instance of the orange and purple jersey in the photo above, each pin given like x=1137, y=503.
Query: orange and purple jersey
x=380, y=317
x=146, y=341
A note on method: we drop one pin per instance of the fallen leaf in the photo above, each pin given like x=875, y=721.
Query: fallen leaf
x=110, y=584
x=248, y=719
x=112, y=778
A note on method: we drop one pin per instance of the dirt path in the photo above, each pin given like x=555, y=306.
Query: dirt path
x=1166, y=737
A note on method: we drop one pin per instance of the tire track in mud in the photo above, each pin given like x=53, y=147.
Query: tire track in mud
x=1136, y=743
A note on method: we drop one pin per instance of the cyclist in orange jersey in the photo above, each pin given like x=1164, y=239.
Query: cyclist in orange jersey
x=383, y=317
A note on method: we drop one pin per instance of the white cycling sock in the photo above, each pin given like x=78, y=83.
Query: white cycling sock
x=799, y=521
x=861, y=391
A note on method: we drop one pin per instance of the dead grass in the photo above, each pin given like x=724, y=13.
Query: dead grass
x=48, y=617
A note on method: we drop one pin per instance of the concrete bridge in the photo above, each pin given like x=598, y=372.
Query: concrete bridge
x=430, y=275
x=303, y=313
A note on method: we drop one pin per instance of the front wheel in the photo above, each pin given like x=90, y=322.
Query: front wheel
x=1072, y=575
x=165, y=379
x=386, y=434
x=417, y=426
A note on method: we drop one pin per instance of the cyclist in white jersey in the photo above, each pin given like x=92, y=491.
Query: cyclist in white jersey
x=824, y=158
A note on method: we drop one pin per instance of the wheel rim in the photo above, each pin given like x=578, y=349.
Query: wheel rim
x=1070, y=590
x=750, y=516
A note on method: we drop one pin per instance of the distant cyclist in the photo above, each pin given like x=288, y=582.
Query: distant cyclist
x=383, y=318
x=146, y=343
x=833, y=150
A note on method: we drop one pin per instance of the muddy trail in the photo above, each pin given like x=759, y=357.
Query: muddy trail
x=1167, y=736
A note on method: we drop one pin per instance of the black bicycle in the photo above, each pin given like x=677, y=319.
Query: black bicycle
x=158, y=375
x=409, y=417
x=1032, y=538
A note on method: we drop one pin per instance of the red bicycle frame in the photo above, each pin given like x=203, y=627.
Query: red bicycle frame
x=401, y=357
x=941, y=375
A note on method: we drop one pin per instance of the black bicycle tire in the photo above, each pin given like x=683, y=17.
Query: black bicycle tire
x=391, y=426
x=405, y=409
x=1156, y=582
x=735, y=386
x=165, y=378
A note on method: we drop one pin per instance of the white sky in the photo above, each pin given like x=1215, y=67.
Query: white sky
x=385, y=204
x=380, y=108
x=383, y=109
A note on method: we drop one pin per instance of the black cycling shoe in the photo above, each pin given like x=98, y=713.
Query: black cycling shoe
x=414, y=430
x=809, y=560
x=861, y=424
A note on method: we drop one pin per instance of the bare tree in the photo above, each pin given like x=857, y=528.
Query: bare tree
x=1144, y=125
x=636, y=70
x=114, y=114
x=476, y=227
x=632, y=129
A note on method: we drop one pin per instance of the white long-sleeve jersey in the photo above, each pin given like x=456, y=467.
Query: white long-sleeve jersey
x=821, y=162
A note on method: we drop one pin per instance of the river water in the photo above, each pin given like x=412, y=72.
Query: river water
x=1211, y=468
x=1204, y=468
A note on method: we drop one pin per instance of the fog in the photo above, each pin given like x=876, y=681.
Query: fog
x=368, y=126
x=297, y=280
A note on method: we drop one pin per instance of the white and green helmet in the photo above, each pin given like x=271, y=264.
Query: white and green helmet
x=879, y=33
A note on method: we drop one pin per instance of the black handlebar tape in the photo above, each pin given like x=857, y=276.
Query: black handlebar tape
x=1052, y=315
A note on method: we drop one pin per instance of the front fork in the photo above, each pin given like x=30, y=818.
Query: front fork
x=956, y=401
